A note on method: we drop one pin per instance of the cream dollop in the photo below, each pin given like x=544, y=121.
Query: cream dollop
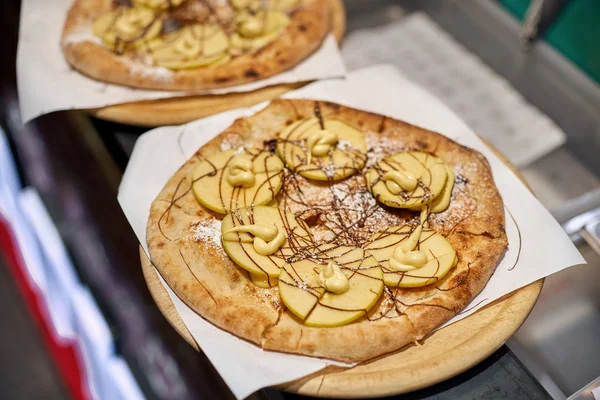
x=399, y=181
x=240, y=171
x=251, y=27
x=405, y=257
x=442, y=202
x=267, y=239
x=133, y=22
x=158, y=4
x=333, y=279
x=319, y=143
x=188, y=45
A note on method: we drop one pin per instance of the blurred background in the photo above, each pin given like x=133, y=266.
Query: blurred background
x=77, y=318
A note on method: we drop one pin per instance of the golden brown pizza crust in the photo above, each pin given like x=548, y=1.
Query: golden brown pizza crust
x=197, y=269
x=309, y=25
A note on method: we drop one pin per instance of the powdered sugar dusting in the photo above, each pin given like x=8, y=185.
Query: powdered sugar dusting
x=225, y=146
x=140, y=65
x=381, y=146
x=344, y=145
x=232, y=141
x=462, y=204
x=208, y=232
x=83, y=34
x=143, y=67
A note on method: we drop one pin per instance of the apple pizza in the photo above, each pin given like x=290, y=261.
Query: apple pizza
x=191, y=44
x=314, y=228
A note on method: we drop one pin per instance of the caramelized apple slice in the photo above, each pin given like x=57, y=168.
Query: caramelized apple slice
x=254, y=31
x=158, y=5
x=332, y=153
x=240, y=229
x=126, y=28
x=305, y=295
x=407, y=180
x=264, y=280
x=212, y=178
x=441, y=202
x=441, y=257
x=193, y=46
x=257, y=5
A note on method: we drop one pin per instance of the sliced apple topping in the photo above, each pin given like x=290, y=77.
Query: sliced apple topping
x=257, y=5
x=261, y=239
x=267, y=238
x=158, y=5
x=190, y=47
x=226, y=180
x=313, y=288
x=125, y=28
x=333, y=279
x=407, y=180
x=256, y=30
x=442, y=202
x=322, y=149
x=264, y=281
x=412, y=256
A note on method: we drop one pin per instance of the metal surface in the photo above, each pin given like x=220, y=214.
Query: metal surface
x=559, y=343
x=541, y=75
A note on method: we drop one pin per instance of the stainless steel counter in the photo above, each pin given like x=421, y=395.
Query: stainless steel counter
x=560, y=341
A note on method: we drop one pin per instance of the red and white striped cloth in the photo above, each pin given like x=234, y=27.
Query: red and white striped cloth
x=70, y=323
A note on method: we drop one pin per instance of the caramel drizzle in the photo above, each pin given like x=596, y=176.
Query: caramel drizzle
x=301, y=245
x=120, y=45
x=421, y=183
x=402, y=236
x=202, y=37
x=239, y=198
x=355, y=156
x=164, y=217
x=322, y=256
x=296, y=241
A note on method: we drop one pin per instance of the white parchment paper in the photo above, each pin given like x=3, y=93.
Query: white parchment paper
x=47, y=83
x=542, y=248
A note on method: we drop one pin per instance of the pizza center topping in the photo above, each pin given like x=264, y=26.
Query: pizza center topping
x=193, y=46
x=329, y=283
x=254, y=31
x=256, y=5
x=352, y=285
x=405, y=257
x=320, y=143
x=407, y=180
x=158, y=4
x=333, y=279
x=322, y=149
x=250, y=26
x=196, y=34
x=127, y=27
x=267, y=239
x=219, y=187
x=412, y=256
x=398, y=181
x=442, y=202
x=240, y=171
x=261, y=239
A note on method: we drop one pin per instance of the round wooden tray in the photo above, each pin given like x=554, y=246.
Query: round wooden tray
x=179, y=110
x=440, y=356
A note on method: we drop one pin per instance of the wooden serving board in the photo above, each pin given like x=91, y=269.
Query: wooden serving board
x=179, y=110
x=440, y=356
